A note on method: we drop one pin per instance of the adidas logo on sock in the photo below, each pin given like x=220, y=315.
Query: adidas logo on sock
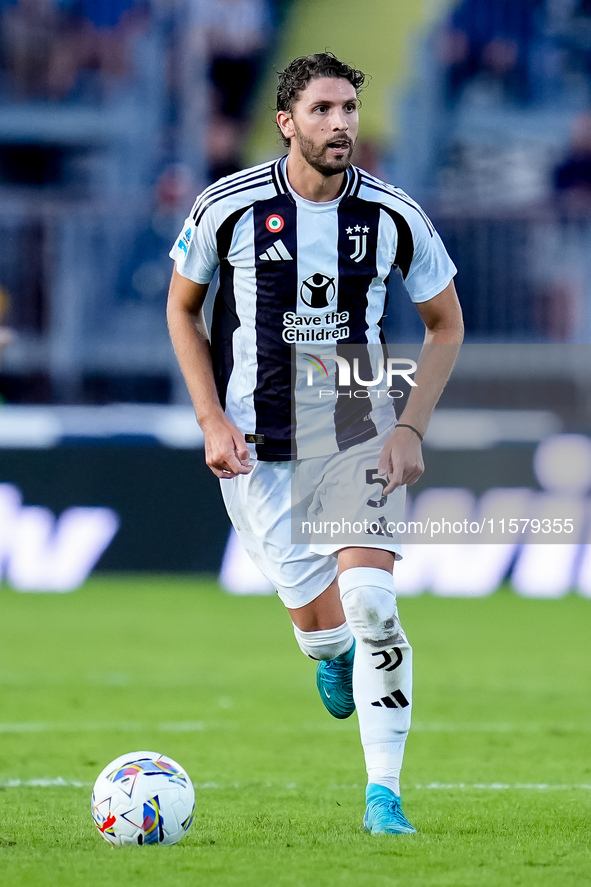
x=388, y=701
x=277, y=252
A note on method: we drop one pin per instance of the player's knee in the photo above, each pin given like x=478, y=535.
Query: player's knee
x=371, y=614
x=369, y=603
x=326, y=644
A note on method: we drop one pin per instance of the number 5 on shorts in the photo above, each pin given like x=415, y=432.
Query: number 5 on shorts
x=371, y=478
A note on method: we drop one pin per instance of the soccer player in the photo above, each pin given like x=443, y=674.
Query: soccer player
x=304, y=246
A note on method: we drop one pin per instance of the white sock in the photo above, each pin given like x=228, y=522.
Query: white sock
x=327, y=644
x=382, y=673
x=383, y=767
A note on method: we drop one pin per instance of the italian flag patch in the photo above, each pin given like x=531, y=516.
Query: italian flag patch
x=274, y=224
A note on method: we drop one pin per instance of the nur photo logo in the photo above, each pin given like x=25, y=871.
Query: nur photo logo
x=315, y=363
x=387, y=370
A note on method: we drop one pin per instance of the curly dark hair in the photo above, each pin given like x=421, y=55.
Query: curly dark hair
x=295, y=78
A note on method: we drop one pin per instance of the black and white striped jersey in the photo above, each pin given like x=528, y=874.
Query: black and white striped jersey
x=300, y=281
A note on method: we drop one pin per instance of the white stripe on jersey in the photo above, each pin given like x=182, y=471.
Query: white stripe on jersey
x=316, y=254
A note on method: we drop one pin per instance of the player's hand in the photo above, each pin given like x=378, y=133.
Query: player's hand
x=401, y=461
x=226, y=452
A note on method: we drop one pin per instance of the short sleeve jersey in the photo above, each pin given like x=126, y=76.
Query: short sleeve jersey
x=299, y=280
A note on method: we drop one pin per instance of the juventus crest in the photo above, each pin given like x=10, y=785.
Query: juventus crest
x=359, y=237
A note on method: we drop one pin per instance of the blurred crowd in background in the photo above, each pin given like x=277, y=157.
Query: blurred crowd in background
x=114, y=114
x=496, y=141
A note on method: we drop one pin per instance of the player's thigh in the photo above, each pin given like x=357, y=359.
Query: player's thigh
x=259, y=505
x=350, y=509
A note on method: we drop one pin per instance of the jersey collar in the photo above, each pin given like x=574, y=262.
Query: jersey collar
x=279, y=175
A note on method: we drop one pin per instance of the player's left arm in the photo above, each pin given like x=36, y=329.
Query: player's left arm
x=402, y=459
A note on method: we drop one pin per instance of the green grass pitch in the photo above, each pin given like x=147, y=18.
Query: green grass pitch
x=497, y=776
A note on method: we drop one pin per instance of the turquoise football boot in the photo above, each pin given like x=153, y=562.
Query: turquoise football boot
x=384, y=815
x=334, y=678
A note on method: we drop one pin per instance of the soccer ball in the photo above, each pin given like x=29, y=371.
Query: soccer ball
x=143, y=798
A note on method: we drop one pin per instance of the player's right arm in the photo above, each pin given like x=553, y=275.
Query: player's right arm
x=226, y=452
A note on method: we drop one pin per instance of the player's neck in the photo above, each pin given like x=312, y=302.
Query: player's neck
x=311, y=184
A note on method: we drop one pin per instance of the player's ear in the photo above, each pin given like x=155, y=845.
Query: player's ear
x=285, y=124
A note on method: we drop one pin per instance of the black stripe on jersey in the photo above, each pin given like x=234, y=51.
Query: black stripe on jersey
x=225, y=319
x=358, y=182
x=277, y=292
x=278, y=177
x=410, y=202
x=228, y=184
x=250, y=187
x=385, y=311
x=358, y=222
x=405, y=247
x=226, y=231
x=379, y=186
x=352, y=181
x=353, y=423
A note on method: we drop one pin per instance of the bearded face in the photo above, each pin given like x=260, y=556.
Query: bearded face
x=323, y=124
x=330, y=157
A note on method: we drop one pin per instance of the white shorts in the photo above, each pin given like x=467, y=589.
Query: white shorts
x=293, y=517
